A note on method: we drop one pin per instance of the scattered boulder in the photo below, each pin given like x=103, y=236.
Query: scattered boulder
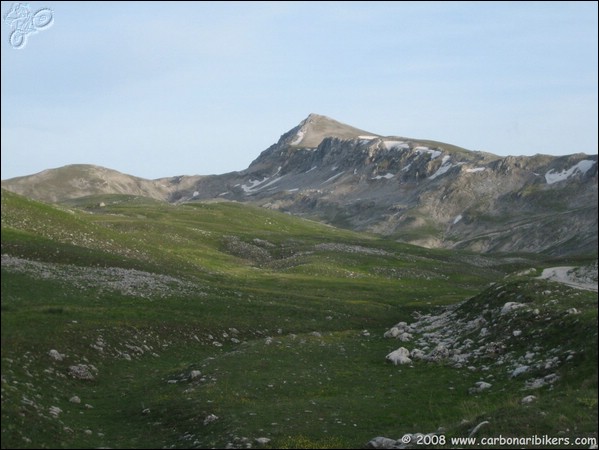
x=405, y=337
x=382, y=442
x=537, y=383
x=417, y=354
x=479, y=386
x=54, y=411
x=401, y=331
x=440, y=352
x=210, y=418
x=510, y=306
x=519, y=371
x=194, y=374
x=262, y=440
x=75, y=399
x=494, y=349
x=392, y=333
x=528, y=399
x=56, y=355
x=399, y=356
x=82, y=372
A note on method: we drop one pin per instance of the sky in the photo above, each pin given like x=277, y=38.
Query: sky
x=161, y=89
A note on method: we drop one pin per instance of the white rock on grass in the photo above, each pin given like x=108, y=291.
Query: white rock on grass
x=405, y=337
x=210, y=418
x=528, y=399
x=399, y=356
x=540, y=382
x=262, y=440
x=194, y=374
x=534, y=383
x=382, y=442
x=75, y=399
x=519, y=371
x=479, y=386
x=392, y=333
x=82, y=372
x=54, y=411
x=511, y=306
x=439, y=352
x=55, y=355
x=417, y=354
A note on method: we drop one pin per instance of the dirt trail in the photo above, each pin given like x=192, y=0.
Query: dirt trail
x=571, y=276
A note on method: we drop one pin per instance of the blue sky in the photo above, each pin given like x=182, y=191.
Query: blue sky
x=162, y=89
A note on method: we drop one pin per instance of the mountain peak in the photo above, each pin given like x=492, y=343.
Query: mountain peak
x=314, y=128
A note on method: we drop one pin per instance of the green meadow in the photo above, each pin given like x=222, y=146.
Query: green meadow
x=216, y=324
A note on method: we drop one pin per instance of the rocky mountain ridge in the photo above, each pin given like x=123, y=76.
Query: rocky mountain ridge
x=424, y=192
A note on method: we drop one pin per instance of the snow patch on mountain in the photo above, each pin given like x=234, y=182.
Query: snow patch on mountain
x=270, y=183
x=386, y=176
x=582, y=166
x=298, y=138
x=253, y=185
x=400, y=145
x=422, y=149
x=332, y=178
x=445, y=166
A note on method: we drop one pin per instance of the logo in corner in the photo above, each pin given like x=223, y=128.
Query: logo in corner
x=25, y=22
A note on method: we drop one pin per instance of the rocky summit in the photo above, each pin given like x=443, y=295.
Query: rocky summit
x=417, y=191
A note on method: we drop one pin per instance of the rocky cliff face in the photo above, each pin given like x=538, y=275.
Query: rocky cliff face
x=423, y=192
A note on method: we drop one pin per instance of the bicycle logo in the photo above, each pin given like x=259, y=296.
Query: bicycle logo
x=24, y=22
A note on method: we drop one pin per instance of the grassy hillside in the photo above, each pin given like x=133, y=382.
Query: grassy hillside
x=215, y=324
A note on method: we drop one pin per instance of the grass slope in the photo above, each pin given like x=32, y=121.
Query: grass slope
x=271, y=323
